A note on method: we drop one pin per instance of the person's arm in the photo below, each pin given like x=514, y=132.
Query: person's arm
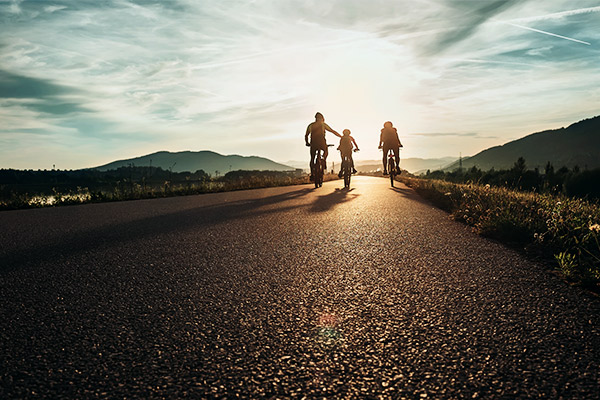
x=380, y=140
x=398, y=137
x=306, y=135
x=327, y=127
x=354, y=141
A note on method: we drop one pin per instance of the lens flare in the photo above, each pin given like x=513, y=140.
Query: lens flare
x=327, y=327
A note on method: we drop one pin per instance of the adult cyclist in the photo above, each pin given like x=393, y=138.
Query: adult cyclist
x=316, y=131
x=389, y=140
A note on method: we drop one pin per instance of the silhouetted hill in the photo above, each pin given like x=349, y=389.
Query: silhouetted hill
x=192, y=161
x=578, y=144
x=414, y=165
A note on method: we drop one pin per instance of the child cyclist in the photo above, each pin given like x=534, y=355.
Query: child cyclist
x=347, y=143
x=389, y=140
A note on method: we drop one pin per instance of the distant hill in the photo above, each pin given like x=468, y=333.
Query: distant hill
x=578, y=144
x=193, y=161
x=414, y=165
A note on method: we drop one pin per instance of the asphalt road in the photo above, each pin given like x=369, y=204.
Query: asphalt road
x=283, y=293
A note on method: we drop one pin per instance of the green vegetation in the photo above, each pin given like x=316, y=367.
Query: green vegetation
x=31, y=189
x=542, y=224
x=570, y=182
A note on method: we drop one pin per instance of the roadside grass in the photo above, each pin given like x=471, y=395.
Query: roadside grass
x=563, y=229
x=134, y=191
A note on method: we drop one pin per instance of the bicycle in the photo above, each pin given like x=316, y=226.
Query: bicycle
x=347, y=170
x=319, y=167
x=391, y=166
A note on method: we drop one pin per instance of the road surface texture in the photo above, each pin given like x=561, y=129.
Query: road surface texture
x=289, y=292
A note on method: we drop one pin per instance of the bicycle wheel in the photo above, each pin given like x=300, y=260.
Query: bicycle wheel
x=391, y=170
x=319, y=175
x=347, y=175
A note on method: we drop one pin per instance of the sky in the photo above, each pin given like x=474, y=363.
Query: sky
x=84, y=83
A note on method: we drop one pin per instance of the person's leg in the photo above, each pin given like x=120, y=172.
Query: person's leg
x=385, y=153
x=313, y=151
x=397, y=157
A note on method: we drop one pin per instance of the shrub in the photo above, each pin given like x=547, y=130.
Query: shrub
x=566, y=227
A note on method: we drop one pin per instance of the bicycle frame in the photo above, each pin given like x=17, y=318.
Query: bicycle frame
x=391, y=166
x=319, y=167
x=346, y=171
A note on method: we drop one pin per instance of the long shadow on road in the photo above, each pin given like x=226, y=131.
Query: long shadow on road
x=335, y=198
x=407, y=192
x=195, y=218
x=39, y=253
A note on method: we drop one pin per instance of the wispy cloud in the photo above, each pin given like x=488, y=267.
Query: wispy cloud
x=472, y=135
x=556, y=15
x=466, y=19
x=14, y=6
x=18, y=86
x=246, y=77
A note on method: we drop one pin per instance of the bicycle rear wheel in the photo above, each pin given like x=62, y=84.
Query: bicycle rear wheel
x=319, y=171
x=346, y=173
x=391, y=170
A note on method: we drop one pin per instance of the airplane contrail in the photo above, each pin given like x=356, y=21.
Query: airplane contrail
x=547, y=33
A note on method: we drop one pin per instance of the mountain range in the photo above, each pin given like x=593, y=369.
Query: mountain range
x=414, y=165
x=192, y=161
x=576, y=145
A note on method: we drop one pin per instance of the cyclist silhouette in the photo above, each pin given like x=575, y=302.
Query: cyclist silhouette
x=389, y=140
x=316, y=130
x=347, y=145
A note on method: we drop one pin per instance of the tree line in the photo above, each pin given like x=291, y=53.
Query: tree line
x=571, y=182
x=13, y=181
x=46, y=181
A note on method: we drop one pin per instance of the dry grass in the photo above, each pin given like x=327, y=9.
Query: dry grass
x=564, y=228
x=135, y=191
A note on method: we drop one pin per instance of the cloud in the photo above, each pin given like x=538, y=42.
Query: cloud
x=540, y=51
x=464, y=19
x=453, y=134
x=17, y=115
x=51, y=9
x=43, y=97
x=234, y=76
x=556, y=15
x=14, y=7
x=19, y=86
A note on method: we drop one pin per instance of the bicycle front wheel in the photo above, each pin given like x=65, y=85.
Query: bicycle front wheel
x=319, y=174
x=391, y=170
